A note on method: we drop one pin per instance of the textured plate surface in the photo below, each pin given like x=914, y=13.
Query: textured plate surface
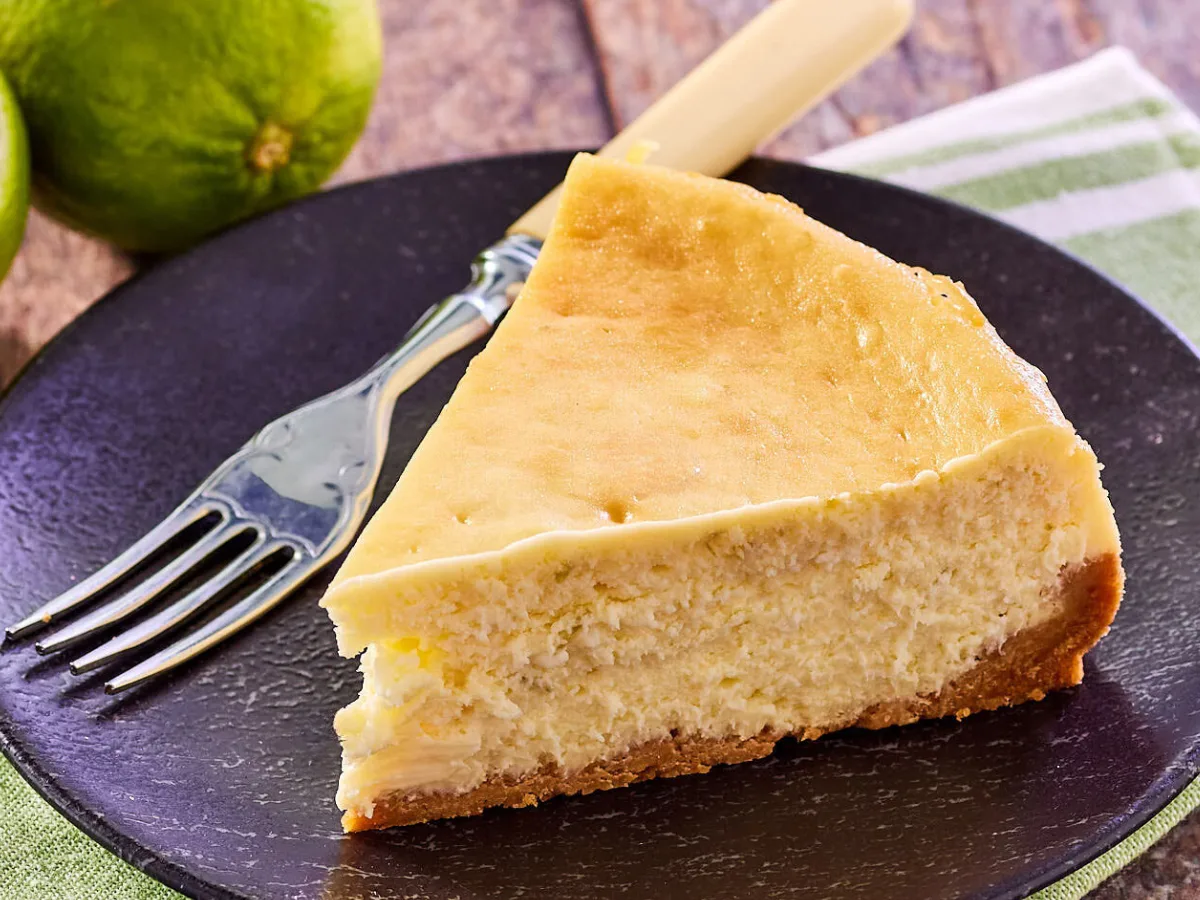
x=219, y=780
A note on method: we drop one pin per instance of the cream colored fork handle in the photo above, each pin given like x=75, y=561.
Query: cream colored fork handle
x=787, y=59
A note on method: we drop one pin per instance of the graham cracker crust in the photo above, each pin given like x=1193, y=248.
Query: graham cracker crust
x=1032, y=662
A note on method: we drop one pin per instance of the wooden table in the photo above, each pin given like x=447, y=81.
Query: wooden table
x=474, y=77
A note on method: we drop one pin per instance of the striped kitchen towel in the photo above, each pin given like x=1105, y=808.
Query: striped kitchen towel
x=1099, y=158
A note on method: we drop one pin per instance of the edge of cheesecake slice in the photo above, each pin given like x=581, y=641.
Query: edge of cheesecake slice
x=547, y=609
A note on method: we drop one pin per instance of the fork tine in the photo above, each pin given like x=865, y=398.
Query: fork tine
x=232, y=620
x=131, y=601
x=181, y=518
x=178, y=612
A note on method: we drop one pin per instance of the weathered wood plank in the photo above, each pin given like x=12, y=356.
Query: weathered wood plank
x=56, y=276
x=1021, y=38
x=645, y=48
x=1025, y=37
x=474, y=77
x=461, y=78
x=956, y=49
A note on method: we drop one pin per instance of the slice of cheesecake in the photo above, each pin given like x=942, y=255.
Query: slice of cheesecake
x=722, y=475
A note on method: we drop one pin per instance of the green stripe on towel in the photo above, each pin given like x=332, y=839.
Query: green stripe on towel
x=1149, y=108
x=1047, y=180
x=1159, y=260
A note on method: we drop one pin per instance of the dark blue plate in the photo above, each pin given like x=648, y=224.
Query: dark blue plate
x=219, y=780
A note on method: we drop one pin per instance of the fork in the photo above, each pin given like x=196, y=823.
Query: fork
x=298, y=491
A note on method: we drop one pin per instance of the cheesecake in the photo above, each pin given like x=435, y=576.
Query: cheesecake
x=722, y=476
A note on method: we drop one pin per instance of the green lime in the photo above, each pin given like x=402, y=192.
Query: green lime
x=14, y=177
x=155, y=122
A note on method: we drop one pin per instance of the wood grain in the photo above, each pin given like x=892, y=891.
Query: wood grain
x=1024, y=37
x=461, y=78
x=645, y=48
x=476, y=77
x=55, y=277
x=955, y=50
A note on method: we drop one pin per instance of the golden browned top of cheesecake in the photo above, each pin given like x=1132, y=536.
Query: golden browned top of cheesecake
x=686, y=345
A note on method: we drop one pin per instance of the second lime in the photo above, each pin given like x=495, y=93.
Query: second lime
x=14, y=177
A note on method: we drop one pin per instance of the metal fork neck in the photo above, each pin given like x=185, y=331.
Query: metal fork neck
x=461, y=318
x=497, y=269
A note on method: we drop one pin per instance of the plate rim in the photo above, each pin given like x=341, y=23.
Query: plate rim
x=1174, y=779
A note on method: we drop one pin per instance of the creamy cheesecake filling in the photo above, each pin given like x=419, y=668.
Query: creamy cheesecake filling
x=572, y=647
